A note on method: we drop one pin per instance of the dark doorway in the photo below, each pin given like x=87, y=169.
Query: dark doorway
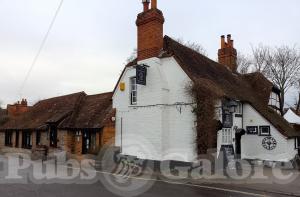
x=38, y=138
x=89, y=142
x=17, y=139
x=53, y=136
x=8, y=138
x=238, y=136
x=298, y=145
x=86, y=142
x=26, y=140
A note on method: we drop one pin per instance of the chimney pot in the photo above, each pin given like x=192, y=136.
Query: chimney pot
x=153, y=4
x=228, y=38
x=227, y=55
x=231, y=43
x=146, y=5
x=223, y=43
x=150, y=32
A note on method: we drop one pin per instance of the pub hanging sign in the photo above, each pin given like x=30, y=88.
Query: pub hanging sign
x=141, y=74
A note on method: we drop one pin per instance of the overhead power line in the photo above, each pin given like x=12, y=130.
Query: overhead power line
x=36, y=57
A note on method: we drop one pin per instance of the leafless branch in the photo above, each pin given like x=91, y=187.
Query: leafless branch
x=193, y=45
x=244, y=63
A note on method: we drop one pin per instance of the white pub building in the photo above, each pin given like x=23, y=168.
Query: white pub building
x=152, y=102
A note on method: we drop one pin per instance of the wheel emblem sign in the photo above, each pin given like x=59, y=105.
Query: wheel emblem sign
x=269, y=143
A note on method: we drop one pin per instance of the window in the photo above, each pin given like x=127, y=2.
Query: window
x=8, y=138
x=89, y=142
x=252, y=130
x=226, y=136
x=264, y=131
x=133, y=91
x=227, y=120
x=38, y=138
x=274, y=100
x=26, y=140
x=238, y=109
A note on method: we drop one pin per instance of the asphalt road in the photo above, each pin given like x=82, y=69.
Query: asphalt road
x=158, y=189
x=108, y=185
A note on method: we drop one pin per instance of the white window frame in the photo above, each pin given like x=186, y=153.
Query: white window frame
x=133, y=91
x=274, y=100
x=239, y=108
x=264, y=134
x=226, y=136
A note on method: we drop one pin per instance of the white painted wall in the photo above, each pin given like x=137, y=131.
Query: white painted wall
x=156, y=129
x=164, y=128
x=251, y=145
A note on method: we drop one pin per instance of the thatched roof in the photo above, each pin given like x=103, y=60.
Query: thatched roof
x=251, y=88
x=93, y=113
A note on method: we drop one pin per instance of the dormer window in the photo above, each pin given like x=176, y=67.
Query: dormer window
x=238, y=109
x=274, y=100
x=133, y=91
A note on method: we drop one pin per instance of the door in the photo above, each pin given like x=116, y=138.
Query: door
x=238, y=138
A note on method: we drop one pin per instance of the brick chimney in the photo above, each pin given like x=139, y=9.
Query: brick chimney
x=150, y=31
x=227, y=54
x=17, y=108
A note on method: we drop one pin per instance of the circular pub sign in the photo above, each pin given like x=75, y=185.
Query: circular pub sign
x=269, y=143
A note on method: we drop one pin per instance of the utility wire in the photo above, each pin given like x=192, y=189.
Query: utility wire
x=36, y=57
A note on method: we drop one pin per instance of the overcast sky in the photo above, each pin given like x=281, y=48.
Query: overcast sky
x=91, y=39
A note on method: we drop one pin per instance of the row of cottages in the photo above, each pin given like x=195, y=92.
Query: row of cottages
x=79, y=124
x=182, y=104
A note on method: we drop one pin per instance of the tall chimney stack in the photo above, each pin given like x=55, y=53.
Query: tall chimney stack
x=150, y=31
x=18, y=108
x=227, y=55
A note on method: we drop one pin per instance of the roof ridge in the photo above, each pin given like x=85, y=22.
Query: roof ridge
x=101, y=94
x=62, y=96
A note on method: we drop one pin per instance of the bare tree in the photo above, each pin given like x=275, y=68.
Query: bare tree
x=283, y=68
x=193, y=45
x=132, y=56
x=260, y=57
x=244, y=63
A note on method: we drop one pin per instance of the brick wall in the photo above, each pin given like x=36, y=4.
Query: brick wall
x=2, y=140
x=108, y=135
x=18, y=108
x=150, y=33
x=66, y=140
x=45, y=138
